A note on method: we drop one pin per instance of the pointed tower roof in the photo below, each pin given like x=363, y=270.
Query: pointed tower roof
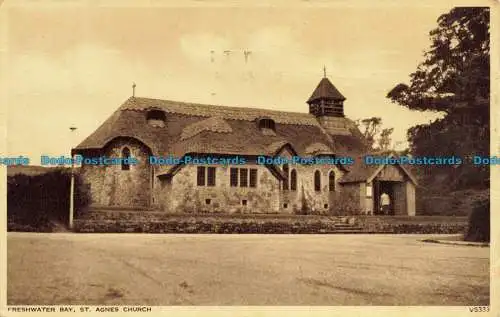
x=325, y=90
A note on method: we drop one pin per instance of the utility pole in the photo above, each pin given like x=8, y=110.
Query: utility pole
x=72, y=184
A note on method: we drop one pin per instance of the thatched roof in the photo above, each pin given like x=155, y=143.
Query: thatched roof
x=207, y=129
x=318, y=148
x=359, y=171
x=228, y=113
x=214, y=124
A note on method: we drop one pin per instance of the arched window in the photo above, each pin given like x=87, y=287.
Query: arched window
x=267, y=124
x=317, y=181
x=156, y=118
x=293, y=180
x=331, y=181
x=285, y=181
x=125, y=155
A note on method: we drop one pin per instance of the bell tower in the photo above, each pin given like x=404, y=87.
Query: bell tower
x=326, y=100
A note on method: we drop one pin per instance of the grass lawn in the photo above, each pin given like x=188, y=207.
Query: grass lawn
x=169, y=269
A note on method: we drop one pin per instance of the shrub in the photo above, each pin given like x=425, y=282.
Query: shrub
x=344, y=205
x=304, y=208
x=479, y=222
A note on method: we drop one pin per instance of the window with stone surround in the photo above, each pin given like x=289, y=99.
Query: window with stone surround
x=200, y=176
x=205, y=176
x=253, y=177
x=247, y=177
x=293, y=180
x=317, y=181
x=286, y=172
x=331, y=181
x=211, y=176
x=243, y=177
x=125, y=155
x=233, y=177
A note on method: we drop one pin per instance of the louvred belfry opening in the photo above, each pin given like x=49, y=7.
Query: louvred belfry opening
x=326, y=100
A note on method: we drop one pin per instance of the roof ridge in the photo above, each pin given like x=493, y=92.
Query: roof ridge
x=184, y=103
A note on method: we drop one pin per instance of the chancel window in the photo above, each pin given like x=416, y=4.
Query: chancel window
x=293, y=180
x=211, y=176
x=317, y=181
x=200, y=176
x=253, y=177
x=205, y=176
x=125, y=156
x=243, y=177
x=331, y=181
x=233, y=177
x=247, y=177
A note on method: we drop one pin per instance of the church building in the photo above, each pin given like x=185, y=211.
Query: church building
x=145, y=127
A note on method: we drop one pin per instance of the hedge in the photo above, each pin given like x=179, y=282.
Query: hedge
x=34, y=202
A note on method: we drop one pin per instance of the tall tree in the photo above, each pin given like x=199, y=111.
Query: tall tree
x=384, y=141
x=454, y=79
x=370, y=127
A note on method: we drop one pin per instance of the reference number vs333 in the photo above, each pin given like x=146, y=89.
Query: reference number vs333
x=479, y=309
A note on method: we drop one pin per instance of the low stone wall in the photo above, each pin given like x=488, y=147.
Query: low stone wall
x=413, y=225
x=156, y=222
x=218, y=225
x=154, y=215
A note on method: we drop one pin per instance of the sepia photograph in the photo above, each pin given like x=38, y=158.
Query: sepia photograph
x=267, y=154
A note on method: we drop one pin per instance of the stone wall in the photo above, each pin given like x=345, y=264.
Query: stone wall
x=181, y=193
x=109, y=185
x=410, y=199
x=317, y=201
x=412, y=224
x=137, y=187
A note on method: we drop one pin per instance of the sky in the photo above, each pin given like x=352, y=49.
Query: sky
x=74, y=65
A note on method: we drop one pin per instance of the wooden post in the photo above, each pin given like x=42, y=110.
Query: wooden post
x=72, y=185
x=71, y=194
